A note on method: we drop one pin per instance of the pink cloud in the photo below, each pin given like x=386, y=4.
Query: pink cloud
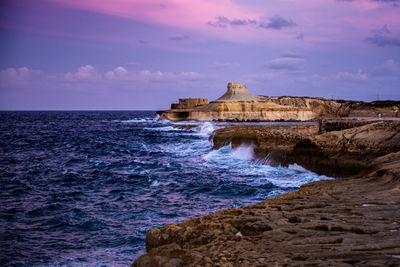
x=184, y=14
x=176, y=13
x=359, y=75
x=88, y=74
x=318, y=21
x=18, y=75
x=43, y=31
x=85, y=73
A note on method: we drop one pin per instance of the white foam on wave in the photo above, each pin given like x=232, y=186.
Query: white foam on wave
x=156, y=183
x=187, y=150
x=145, y=120
x=239, y=161
x=206, y=129
x=243, y=152
x=296, y=167
x=226, y=156
x=211, y=155
x=295, y=176
x=164, y=129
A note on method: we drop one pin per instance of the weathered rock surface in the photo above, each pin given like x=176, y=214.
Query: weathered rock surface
x=237, y=92
x=238, y=104
x=335, y=153
x=263, y=136
x=341, y=222
x=386, y=108
x=187, y=103
x=373, y=139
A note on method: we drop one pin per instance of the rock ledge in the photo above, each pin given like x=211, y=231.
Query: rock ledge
x=341, y=222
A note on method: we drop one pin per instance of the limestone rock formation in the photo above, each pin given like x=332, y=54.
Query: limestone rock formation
x=352, y=221
x=238, y=104
x=185, y=103
x=373, y=139
x=237, y=92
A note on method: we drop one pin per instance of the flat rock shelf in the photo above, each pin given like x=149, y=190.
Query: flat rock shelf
x=349, y=221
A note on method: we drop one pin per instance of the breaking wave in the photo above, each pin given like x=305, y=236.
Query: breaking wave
x=82, y=188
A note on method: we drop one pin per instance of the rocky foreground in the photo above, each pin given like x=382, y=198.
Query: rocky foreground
x=347, y=221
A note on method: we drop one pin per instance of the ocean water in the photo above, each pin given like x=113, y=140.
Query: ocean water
x=82, y=188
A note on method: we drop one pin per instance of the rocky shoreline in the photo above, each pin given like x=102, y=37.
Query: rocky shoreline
x=239, y=105
x=353, y=220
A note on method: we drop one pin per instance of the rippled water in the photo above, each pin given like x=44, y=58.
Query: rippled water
x=82, y=188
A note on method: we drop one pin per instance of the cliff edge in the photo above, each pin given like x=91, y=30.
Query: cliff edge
x=238, y=104
x=352, y=221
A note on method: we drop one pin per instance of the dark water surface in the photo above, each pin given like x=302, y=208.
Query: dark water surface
x=82, y=188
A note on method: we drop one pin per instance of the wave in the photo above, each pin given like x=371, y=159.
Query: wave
x=117, y=173
x=164, y=129
x=283, y=177
x=156, y=183
x=145, y=120
x=206, y=129
x=227, y=155
x=243, y=152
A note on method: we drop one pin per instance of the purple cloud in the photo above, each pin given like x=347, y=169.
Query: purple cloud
x=85, y=73
x=357, y=76
x=18, y=75
x=286, y=62
x=179, y=37
x=223, y=22
x=388, y=68
x=277, y=22
x=383, y=37
x=300, y=36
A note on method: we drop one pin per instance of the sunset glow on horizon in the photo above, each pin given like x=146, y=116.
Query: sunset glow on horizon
x=145, y=54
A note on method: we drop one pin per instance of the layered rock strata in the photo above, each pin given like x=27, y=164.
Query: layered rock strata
x=187, y=103
x=341, y=222
x=238, y=104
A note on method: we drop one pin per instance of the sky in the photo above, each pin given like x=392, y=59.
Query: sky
x=145, y=54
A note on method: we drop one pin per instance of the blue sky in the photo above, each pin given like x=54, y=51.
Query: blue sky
x=59, y=54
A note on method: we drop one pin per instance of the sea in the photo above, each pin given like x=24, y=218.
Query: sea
x=81, y=188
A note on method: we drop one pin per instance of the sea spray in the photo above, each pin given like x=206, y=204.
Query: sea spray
x=243, y=152
x=82, y=188
x=206, y=129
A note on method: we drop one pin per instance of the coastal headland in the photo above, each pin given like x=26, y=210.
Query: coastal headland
x=239, y=105
x=353, y=220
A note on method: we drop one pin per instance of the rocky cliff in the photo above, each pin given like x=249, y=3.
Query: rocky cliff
x=341, y=222
x=187, y=103
x=238, y=104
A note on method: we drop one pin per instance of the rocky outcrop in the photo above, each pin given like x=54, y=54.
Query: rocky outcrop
x=338, y=125
x=237, y=92
x=185, y=103
x=272, y=144
x=373, y=109
x=370, y=140
x=238, y=104
x=340, y=222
